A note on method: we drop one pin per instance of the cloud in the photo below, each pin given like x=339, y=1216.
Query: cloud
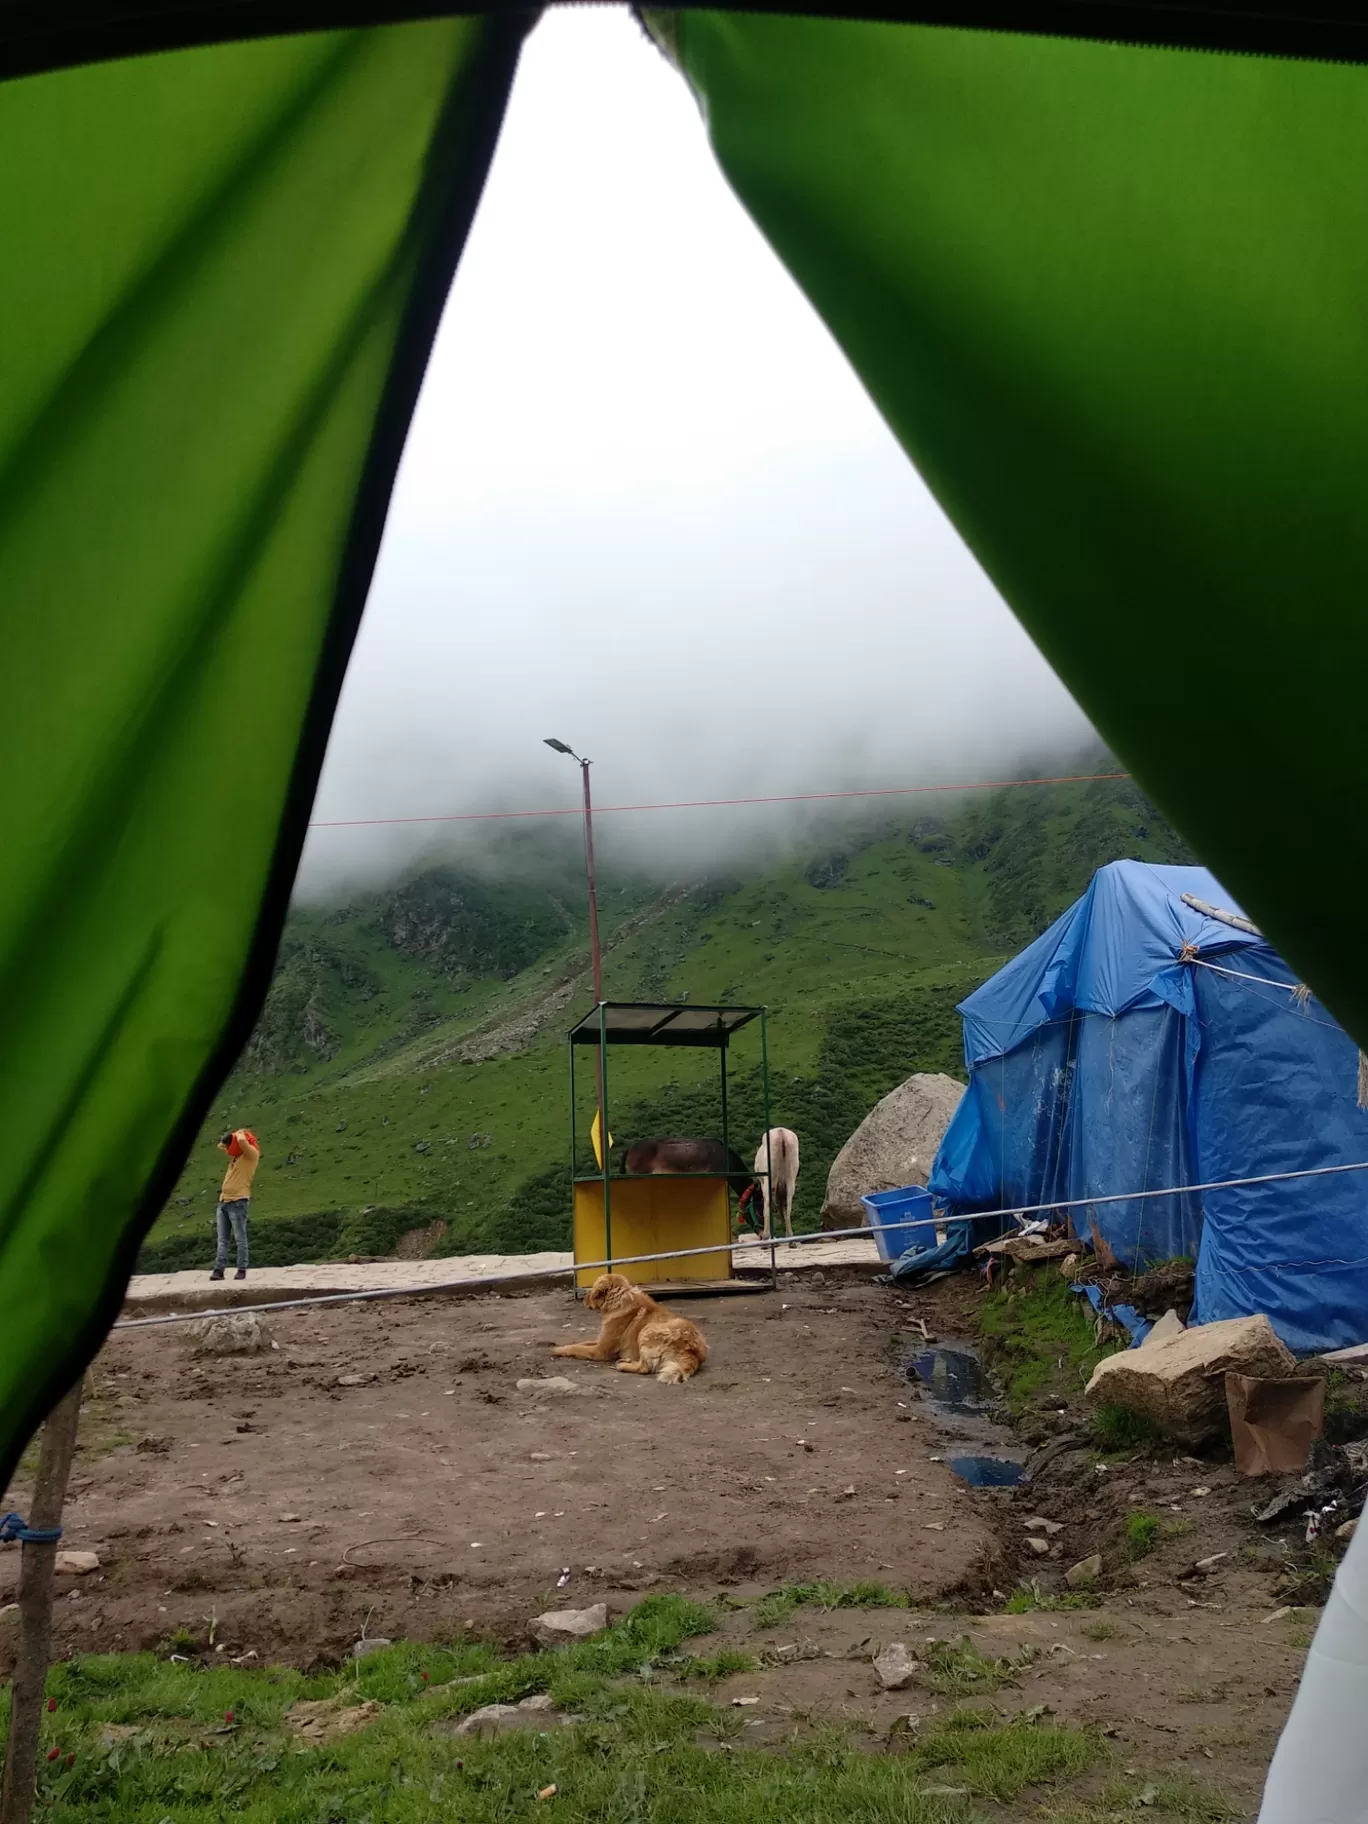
x=647, y=507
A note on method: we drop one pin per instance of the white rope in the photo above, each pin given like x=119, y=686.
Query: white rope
x=541, y=1274
x=1297, y=990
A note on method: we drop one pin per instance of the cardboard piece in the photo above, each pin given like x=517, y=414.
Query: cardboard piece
x=1273, y=1424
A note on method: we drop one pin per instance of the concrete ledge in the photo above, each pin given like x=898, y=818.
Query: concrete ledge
x=154, y=1293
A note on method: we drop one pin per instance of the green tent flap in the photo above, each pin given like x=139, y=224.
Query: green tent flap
x=222, y=271
x=1110, y=299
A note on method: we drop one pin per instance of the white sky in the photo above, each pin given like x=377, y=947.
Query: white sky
x=647, y=507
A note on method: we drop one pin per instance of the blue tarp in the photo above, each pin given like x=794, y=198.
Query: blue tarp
x=1139, y=1044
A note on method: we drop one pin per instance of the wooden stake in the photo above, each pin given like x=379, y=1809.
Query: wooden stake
x=35, y=1612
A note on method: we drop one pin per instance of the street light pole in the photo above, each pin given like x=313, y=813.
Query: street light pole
x=595, y=952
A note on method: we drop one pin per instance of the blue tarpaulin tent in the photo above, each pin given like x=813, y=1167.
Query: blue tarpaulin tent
x=1142, y=1042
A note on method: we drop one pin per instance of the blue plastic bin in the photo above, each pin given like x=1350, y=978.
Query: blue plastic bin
x=890, y=1214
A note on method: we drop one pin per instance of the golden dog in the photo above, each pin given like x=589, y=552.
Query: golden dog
x=641, y=1336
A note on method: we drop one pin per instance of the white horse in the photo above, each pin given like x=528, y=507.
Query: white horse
x=777, y=1156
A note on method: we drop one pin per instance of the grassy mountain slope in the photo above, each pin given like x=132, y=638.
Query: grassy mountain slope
x=410, y=1066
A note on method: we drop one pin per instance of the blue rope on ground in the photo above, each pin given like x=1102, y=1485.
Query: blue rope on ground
x=12, y=1527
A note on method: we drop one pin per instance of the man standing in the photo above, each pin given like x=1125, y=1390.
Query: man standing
x=235, y=1197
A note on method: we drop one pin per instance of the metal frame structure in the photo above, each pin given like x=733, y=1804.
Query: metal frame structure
x=674, y=1024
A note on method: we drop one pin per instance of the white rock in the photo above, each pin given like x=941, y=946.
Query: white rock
x=78, y=1564
x=243, y=1333
x=1086, y=1571
x=1034, y=1543
x=896, y=1666
x=572, y=1624
x=550, y=1383
x=893, y=1146
x=364, y=1648
x=1039, y=1524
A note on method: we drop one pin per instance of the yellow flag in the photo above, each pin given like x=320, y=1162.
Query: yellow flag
x=596, y=1137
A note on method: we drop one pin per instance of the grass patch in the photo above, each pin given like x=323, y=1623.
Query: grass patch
x=711, y=1667
x=1173, y=1798
x=1115, y=1428
x=1026, y=1598
x=999, y=1760
x=958, y=1669
x=1100, y=1630
x=140, y=1740
x=1037, y=1340
x=778, y=1605
x=1140, y=1533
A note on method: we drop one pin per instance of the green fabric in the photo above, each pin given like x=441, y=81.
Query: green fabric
x=1112, y=301
x=206, y=259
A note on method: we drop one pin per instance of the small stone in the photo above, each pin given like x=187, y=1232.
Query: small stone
x=550, y=1383
x=543, y=1700
x=846, y=1493
x=540, y=1456
x=895, y=1667
x=744, y=1703
x=242, y=1333
x=1086, y=1571
x=1039, y=1524
x=1205, y=1566
x=1346, y=1530
x=78, y=1564
x=350, y=1380
x=492, y=1719
x=289, y=1519
x=364, y=1648
x=1037, y=1545
x=572, y=1624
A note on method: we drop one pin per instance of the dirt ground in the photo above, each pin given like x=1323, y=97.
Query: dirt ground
x=379, y=1472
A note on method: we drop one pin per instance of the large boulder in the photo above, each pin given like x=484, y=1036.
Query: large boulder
x=894, y=1145
x=1179, y=1385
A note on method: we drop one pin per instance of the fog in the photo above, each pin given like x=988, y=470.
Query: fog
x=646, y=507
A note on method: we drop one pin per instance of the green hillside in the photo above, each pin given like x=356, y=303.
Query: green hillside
x=409, y=1068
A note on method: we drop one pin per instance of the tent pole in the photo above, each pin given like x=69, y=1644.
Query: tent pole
x=36, y=1573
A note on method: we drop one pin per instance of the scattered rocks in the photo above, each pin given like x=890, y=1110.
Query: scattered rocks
x=77, y=1564
x=364, y=1648
x=896, y=1666
x=241, y=1333
x=322, y=1719
x=571, y=1624
x=1085, y=1572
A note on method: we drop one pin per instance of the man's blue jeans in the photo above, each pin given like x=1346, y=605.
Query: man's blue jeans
x=232, y=1217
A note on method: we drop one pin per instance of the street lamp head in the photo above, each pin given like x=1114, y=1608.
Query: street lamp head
x=560, y=747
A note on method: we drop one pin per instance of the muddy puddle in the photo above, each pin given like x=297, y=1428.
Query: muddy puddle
x=967, y=1409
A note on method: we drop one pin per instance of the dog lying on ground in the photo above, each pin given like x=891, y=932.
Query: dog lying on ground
x=641, y=1336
